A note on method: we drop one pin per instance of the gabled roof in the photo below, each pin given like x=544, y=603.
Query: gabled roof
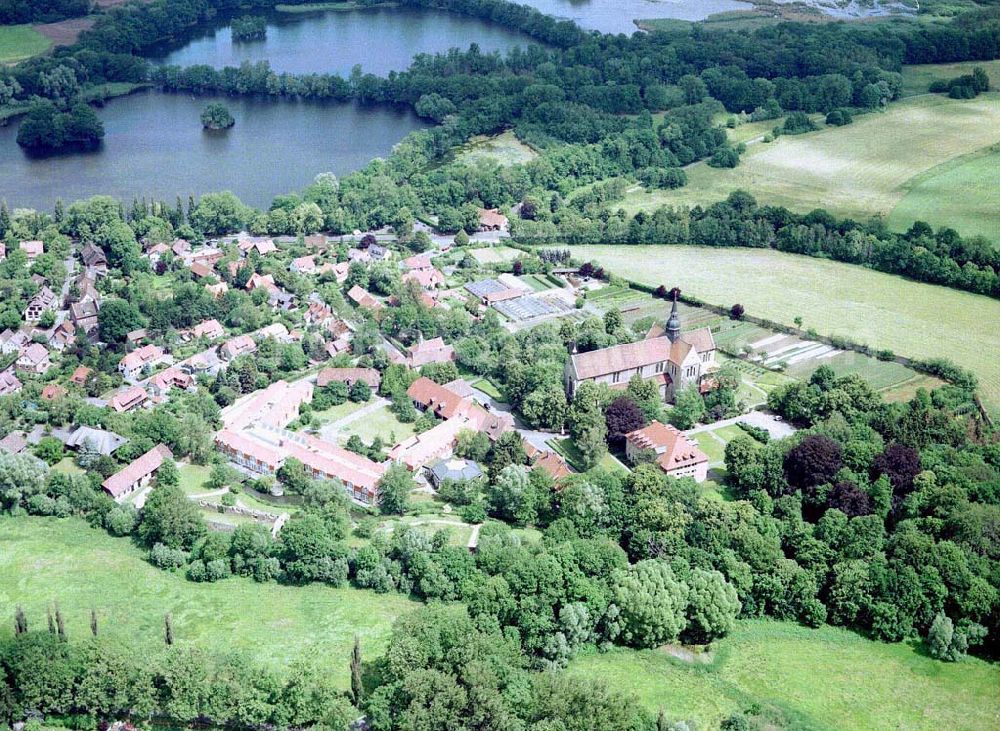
x=128, y=399
x=34, y=354
x=674, y=450
x=105, y=442
x=596, y=363
x=120, y=482
x=349, y=375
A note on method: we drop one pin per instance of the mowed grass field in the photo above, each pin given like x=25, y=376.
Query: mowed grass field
x=43, y=560
x=18, y=42
x=865, y=168
x=917, y=79
x=910, y=318
x=826, y=678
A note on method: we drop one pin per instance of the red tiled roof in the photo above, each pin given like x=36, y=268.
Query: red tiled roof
x=128, y=399
x=553, y=464
x=674, y=450
x=595, y=363
x=349, y=376
x=119, y=483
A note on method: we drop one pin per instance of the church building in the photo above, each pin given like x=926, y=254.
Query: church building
x=674, y=360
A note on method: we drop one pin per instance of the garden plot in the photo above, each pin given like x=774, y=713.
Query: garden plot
x=532, y=308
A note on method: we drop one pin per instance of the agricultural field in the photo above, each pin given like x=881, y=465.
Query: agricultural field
x=504, y=149
x=43, y=560
x=963, y=193
x=861, y=171
x=825, y=678
x=885, y=311
x=18, y=42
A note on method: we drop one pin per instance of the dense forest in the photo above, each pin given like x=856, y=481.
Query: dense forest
x=41, y=11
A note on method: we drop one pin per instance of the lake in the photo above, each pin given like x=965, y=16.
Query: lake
x=617, y=16
x=155, y=146
x=380, y=40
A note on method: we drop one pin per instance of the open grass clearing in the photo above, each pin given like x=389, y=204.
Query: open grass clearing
x=917, y=79
x=335, y=413
x=504, y=149
x=194, y=478
x=858, y=170
x=43, y=560
x=711, y=447
x=826, y=678
x=495, y=254
x=574, y=458
x=885, y=311
x=18, y=42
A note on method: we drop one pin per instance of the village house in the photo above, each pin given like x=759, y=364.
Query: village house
x=553, y=464
x=100, y=440
x=425, y=278
x=32, y=249
x=134, y=337
x=13, y=443
x=84, y=289
x=423, y=352
x=235, y=347
x=181, y=248
x=34, y=359
x=263, y=245
x=155, y=253
x=132, y=364
x=445, y=403
x=9, y=382
x=217, y=290
x=303, y=265
x=362, y=298
x=349, y=376
x=80, y=375
x=84, y=315
x=160, y=384
x=129, y=399
x=200, y=271
x=340, y=270
x=94, y=260
x=673, y=360
x=675, y=453
x=45, y=300
x=207, y=256
x=137, y=474
x=62, y=335
x=211, y=329
x=490, y=219
x=13, y=341
x=418, y=262
x=53, y=391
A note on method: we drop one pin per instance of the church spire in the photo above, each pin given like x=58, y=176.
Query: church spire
x=674, y=322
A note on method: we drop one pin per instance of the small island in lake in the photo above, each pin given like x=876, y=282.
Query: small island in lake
x=48, y=128
x=216, y=116
x=249, y=28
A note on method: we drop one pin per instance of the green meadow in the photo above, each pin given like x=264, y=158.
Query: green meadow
x=47, y=560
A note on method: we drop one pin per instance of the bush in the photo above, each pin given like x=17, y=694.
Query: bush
x=761, y=435
x=164, y=557
x=798, y=123
x=839, y=118
x=724, y=157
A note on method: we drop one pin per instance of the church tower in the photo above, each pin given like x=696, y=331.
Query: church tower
x=674, y=322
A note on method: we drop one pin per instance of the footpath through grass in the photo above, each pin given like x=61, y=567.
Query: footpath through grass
x=882, y=310
x=43, y=560
x=18, y=42
x=824, y=679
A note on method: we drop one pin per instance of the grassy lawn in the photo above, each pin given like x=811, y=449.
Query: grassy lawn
x=193, y=478
x=18, y=42
x=504, y=149
x=571, y=453
x=337, y=412
x=868, y=306
x=47, y=559
x=711, y=446
x=67, y=466
x=495, y=254
x=825, y=679
x=383, y=423
x=859, y=170
x=486, y=386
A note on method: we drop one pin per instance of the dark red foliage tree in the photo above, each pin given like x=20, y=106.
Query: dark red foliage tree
x=660, y=292
x=900, y=464
x=737, y=311
x=623, y=416
x=814, y=461
x=518, y=268
x=586, y=269
x=850, y=499
x=366, y=241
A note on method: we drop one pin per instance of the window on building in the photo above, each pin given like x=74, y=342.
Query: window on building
x=615, y=376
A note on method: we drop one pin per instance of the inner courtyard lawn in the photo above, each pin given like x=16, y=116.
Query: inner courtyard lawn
x=826, y=678
x=47, y=560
